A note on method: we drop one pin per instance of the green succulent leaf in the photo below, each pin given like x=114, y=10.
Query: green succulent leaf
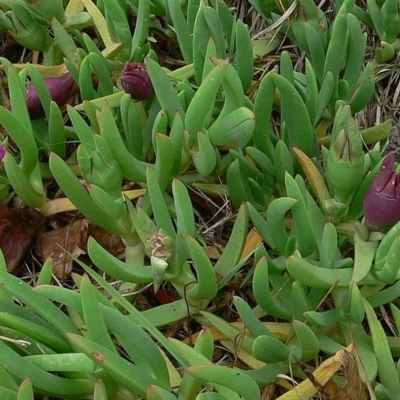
x=386, y=369
x=270, y=350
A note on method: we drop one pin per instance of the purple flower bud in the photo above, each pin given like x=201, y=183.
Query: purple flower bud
x=60, y=89
x=136, y=81
x=382, y=200
x=2, y=152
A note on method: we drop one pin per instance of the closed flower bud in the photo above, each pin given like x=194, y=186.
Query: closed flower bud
x=136, y=81
x=26, y=29
x=60, y=89
x=100, y=168
x=2, y=152
x=47, y=9
x=382, y=200
x=345, y=159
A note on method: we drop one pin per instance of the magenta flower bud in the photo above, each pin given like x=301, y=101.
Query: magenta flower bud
x=60, y=89
x=2, y=152
x=136, y=81
x=382, y=200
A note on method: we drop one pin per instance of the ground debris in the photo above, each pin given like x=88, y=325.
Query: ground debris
x=62, y=245
x=18, y=230
x=65, y=244
x=321, y=382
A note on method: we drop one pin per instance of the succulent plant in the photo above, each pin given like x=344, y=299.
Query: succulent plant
x=280, y=154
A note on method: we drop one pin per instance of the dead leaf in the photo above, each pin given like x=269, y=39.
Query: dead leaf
x=110, y=241
x=61, y=243
x=353, y=388
x=18, y=231
x=253, y=240
x=268, y=392
x=213, y=252
x=72, y=239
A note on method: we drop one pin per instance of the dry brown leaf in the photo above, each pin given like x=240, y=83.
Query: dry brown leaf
x=110, y=241
x=18, y=231
x=253, y=240
x=213, y=252
x=268, y=393
x=353, y=388
x=61, y=243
